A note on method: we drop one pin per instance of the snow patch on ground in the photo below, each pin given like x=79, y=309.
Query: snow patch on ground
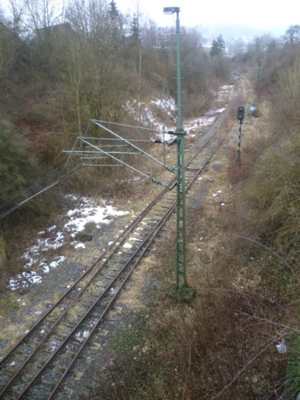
x=169, y=108
x=53, y=238
x=88, y=212
x=143, y=112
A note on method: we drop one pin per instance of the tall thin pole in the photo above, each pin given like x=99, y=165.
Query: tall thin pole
x=181, y=280
x=164, y=128
x=239, y=143
x=259, y=79
x=240, y=117
x=178, y=63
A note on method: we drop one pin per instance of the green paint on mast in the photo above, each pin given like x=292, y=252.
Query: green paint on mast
x=181, y=280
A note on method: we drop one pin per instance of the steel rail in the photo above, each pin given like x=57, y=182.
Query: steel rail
x=154, y=233
x=148, y=240
x=121, y=239
x=128, y=230
x=157, y=229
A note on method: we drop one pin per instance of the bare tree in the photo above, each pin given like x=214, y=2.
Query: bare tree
x=292, y=35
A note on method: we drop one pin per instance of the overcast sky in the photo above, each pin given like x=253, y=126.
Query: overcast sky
x=254, y=13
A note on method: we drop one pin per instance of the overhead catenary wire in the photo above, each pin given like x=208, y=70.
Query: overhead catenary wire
x=61, y=179
x=29, y=188
x=96, y=122
x=156, y=181
x=128, y=126
x=70, y=173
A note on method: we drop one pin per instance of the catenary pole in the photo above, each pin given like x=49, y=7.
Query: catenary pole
x=181, y=280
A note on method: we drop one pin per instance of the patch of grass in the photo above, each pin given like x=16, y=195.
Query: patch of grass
x=131, y=341
x=8, y=303
x=292, y=385
x=133, y=366
x=237, y=171
x=182, y=294
x=274, y=190
x=256, y=113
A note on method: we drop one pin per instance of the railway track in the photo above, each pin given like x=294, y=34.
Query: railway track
x=37, y=366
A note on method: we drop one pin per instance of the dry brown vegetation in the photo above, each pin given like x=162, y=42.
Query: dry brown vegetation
x=243, y=261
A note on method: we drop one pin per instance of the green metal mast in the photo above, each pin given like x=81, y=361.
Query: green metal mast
x=181, y=280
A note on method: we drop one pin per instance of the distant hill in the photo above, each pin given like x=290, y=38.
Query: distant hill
x=230, y=31
x=235, y=33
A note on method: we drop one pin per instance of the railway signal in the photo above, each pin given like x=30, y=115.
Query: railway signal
x=241, y=114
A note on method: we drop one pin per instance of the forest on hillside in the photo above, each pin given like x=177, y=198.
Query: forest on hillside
x=61, y=67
